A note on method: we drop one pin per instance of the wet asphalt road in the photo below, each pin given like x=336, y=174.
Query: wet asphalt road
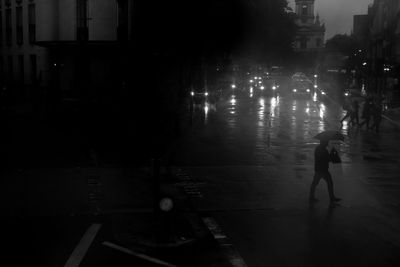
x=254, y=156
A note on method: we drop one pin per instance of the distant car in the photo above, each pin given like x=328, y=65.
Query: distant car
x=301, y=89
x=273, y=87
x=199, y=97
x=299, y=76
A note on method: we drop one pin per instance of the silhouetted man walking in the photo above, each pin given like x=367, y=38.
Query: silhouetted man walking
x=322, y=157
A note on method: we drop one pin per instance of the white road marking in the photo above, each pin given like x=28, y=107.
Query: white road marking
x=80, y=250
x=139, y=255
x=225, y=245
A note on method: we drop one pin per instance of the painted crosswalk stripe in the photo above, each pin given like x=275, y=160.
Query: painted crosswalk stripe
x=139, y=255
x=80, y=250
x=228, y=249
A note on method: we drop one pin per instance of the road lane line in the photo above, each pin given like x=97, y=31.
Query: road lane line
x=80, y=250
x=224, y=243
x=139, y=255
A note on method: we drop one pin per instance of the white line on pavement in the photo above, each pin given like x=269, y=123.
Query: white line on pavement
x=139, y=255
x=80, y=250
x=228, y=249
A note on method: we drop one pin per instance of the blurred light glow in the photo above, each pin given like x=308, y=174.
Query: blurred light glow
x=192, y=93
x=274, y=103
x=251, y=89
x=262, y=87
x=251, y=81
x=314, y=97
x=322, y=111
x=233, y=86
x=308, y=90
x=315, y=86
x=206, y=93
x=274, y=87
x=206, y=109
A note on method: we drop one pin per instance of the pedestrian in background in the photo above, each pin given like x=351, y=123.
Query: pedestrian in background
x=376, y=111
x=354, y=117
x=322, y=156
x=366, y=113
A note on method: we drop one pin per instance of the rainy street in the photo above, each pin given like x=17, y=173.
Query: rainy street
x=253, y=156
x=199, y=133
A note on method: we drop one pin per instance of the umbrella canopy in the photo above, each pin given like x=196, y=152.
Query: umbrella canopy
x=330, y=135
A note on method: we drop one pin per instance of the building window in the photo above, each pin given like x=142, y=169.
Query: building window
x=21, y=69
x=32, y=23
x=122, y=30
x=303, y=43
x=10, y=69
x=82, y=30
x=8, y=27
x=33, y=63
x=20, y=31
x=319, y=42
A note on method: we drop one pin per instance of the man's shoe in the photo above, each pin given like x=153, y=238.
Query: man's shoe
x=335, y=199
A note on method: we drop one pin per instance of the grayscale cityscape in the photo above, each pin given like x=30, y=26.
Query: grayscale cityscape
x=200, y=133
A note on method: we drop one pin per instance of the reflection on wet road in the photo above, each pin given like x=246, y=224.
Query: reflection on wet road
x=251, y=129
x=256, y=130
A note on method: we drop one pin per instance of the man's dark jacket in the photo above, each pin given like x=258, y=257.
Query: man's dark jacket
x=322, y=158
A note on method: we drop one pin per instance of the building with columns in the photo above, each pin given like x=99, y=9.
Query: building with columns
x=311, y=32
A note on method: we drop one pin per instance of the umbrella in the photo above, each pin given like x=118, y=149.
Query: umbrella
x=330, y=135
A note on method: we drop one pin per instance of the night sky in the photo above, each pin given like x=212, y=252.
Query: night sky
x=338, y=14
